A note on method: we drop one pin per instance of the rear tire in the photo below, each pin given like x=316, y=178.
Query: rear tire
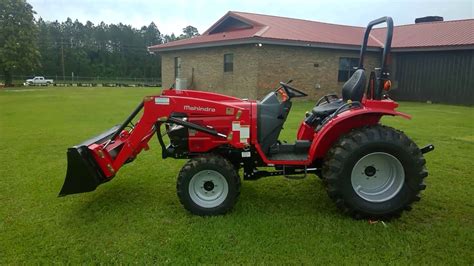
x=208, y=185
x=374, y=172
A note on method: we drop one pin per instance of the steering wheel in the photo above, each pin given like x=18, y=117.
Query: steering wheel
x=327, y=98
x=291, y=91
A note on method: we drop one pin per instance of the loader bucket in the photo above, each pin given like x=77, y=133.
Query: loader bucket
x=83, y=173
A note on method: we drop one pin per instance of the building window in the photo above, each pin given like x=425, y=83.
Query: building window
x=177, y=67
x=228, y=62
x=347, y=67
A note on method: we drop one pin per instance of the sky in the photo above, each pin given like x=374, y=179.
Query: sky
x=171, y=16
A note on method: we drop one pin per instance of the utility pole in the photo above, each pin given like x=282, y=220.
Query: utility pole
x=62, y=58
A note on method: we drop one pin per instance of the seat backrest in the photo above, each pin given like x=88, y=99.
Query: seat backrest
x=353, y=89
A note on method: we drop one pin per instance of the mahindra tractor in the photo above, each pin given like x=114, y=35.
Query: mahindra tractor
x=369, y=170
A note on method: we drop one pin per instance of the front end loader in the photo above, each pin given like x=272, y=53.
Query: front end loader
x=370, y=170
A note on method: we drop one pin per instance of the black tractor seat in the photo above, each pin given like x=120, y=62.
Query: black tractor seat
x=353, y=90
x=326, y=109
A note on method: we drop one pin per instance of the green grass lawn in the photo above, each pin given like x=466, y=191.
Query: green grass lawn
x=137, y=217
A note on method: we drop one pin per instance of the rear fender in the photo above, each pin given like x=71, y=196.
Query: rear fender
x=342, y=124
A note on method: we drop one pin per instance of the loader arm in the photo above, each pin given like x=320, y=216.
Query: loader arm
x=97, y=160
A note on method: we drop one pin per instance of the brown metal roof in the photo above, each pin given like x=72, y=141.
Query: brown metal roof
x=289, y=31
x=455, y=33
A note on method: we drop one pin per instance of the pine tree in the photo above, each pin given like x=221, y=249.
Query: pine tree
x=18, y=35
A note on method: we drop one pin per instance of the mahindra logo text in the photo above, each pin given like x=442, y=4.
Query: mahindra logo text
x=199, y=108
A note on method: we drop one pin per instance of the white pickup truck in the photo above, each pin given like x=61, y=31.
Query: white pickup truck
x=39, y=81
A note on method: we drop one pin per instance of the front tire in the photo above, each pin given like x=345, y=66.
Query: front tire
x=208, y=185
x=374, y=172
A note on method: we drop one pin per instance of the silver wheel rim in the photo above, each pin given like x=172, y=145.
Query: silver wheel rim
x=377, y=177
x=208, y=188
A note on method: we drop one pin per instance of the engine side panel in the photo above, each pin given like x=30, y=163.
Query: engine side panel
x=227, y=115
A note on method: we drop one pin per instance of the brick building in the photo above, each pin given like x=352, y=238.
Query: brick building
x=246, y=55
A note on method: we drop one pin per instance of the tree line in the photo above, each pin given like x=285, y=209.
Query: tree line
x=38, y=47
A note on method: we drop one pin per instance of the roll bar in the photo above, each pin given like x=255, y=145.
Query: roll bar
x=387, y=45
x=381, y=74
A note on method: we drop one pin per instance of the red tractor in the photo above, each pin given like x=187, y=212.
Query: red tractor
x=370, y=170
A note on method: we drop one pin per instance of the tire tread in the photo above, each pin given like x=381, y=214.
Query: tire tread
x=184, y=174
x=341, y=150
